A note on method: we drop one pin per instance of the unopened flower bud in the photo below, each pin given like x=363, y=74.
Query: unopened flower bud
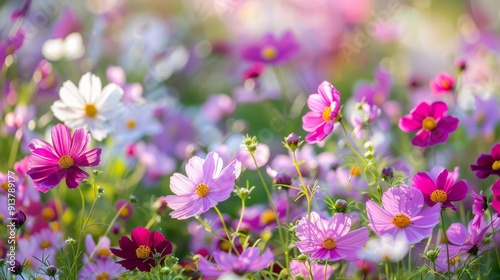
x=282, y=179
x=341, y=205
x=51, y=270
x=19, y=218
x=17, y=269
x=461, y=65
x=133, y=199
x=387, y=173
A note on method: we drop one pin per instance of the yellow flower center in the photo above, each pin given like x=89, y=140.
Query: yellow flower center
x=90, y=110
x=429, y=123
x=103, y=252
x=269, y=52
x=202, y=190
x=125, y=212
x=267, y=217
x=454, y=260
x=131, y=124
x=48, y=213
x=10, y=49
x=355, y=171
x=5, y=186
x=496, y=165
x=143, y=252
x=102, y=276
x=439, y=196
x=401, y=221
x=329, y=243
x=66, y=162
x=445, y=84
x=327, y=114
x=45, y=244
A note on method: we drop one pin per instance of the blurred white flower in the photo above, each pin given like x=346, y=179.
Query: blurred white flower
x=89, y=106
x=70, y=47
x=137, y=121
x=385, y=248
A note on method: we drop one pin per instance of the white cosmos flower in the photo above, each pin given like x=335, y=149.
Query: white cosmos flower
x=385, y=248
x=89, y=106
x=135, y=122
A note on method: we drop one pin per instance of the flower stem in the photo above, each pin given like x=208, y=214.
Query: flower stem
x=387, y=269
x=305, y=189
x=326, y=269
x=273, y=208
x=231, y=243
x=241, y=217
x=446, y=243
x=14, y=148
x=493, y=234
x=108, y=229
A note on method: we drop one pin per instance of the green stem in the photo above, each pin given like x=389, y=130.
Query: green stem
x=446, y=242
x=305, y=189
x=326, y=269
x=231, y=243
x=241, y=217
x=273, y=208
x=14, y=148
x=387, y=269
x=108, y=229
x=409, y=260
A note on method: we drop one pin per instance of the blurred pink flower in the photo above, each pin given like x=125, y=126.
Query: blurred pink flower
x=495, y=189
x=442, y=83
x=430, y=122
x=270, y=50
x=217, y=106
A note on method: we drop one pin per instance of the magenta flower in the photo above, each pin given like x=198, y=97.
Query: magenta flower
x=402, y=215
x=11, y=45
x=443, y=83
x=249, y=261
x=495, y=189
x=487, y=165
x=430, y=122
x=270, y=50
x=205, y=186
x=479, y=205
x=22, y=11
x=138, y=252
x=376, y=92
x=49, y=164
x=325, y=107
x=330, y=239
x=444, y=190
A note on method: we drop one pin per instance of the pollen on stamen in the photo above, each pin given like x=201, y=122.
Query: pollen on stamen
x=90, y=110
x=327, y=114
x=429, y=123
x=202, y=190
x=439, y=196
x=401, y=221
x=496, y=165
x=66, y=162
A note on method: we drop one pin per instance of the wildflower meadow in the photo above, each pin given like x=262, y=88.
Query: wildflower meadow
x=249, y=139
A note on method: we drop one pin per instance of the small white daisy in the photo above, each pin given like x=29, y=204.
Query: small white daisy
x=89, y=106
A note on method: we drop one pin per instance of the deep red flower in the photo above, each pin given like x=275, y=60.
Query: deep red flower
x=139, y=252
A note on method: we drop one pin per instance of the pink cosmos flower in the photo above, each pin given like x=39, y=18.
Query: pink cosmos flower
x=50, y=163
x=402, y=215
x=430, y=122
x=206, y=184
x=270, y=50
x=249, y=261
x=443, y=83
x=479, y=206
x=330, y=239
x=487, y=165
x=444, y=190
x=325, y=107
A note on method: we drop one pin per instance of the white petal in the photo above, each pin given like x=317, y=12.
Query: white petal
x=70, y=95
x=90, y=87
x=73, y=46
x=65, y=113
x=110, y=97
x=53, y=49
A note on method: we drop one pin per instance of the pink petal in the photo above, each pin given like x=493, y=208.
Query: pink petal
x=311, y=121
x=89, y=158
x=408, y=124
x=421, y=139
x=316, y=103
x=457, y=234
x=422, y=111
x=438, y=135
x=495, y=152
x=424, y=183
x=444, y=180
x=75, y=176
x=194, y=169
x=458, y=191
x=180, y=184
x=448, y=124
x=438, y=108
x=79, y=143
x=61, y=138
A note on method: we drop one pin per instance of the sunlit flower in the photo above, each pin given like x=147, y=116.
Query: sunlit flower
x=50, y=163
x=402, y=215
x=102, y=269
x=206, y=184
x=138, y=252
x=325, y=107
x=442, y=83
x=249, y=261
x=444, y=190
x=488, y=164
x=135, y=122
x=330, y=239
x=430, y=122
x=385, y=248
x=298, y=268
x=89, y=106
x=272, y=51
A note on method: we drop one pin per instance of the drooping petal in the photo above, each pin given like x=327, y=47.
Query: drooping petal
x=75, y=176
x=421, y=139
x=89, y=158
x=448, y=124
x=408, y=124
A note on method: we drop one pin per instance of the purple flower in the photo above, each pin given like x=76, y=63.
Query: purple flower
x=483, y=118
x=317, y=270
x=361, y=120
x=66, y=24
x=430, y=122
x=270, y=50
x=102, y=269
x=402, y=215
x=330, y=239
x=444, y=190
x=249, y=261
x=479, y=205
x=132, y=93
x=443, y=83
x=51, y=163
x=325, y=108
x=376, y=92
x=487, y=165
x=100, y=251
x=217, y=106
x=11, y=45
x=21, y=12
x=206, y=184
